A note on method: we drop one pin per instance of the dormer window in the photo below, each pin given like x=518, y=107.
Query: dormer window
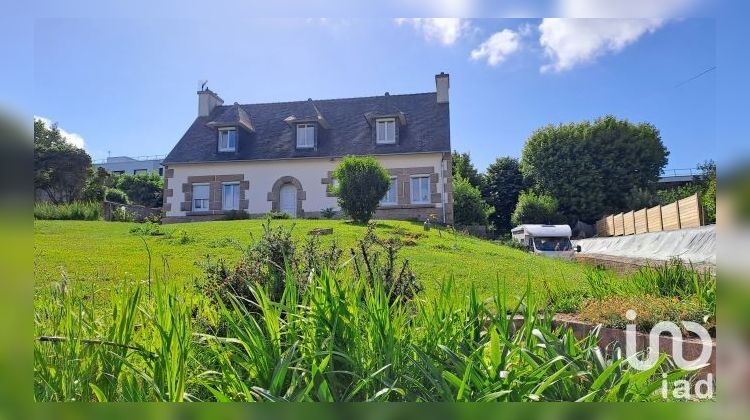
x=385, y=131
x=228, y=139
x=305, y=136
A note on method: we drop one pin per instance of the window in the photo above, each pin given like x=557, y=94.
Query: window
x=227, y=140
x=118, y=172
x=140, y=171
x=230, y=199
x=161, y=171
x=386, y=131
x=200, y=197
x=391, y=197
x=305, y=136
x=420, y=189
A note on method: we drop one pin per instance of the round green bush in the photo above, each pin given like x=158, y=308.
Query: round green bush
x=362, y=183
x=116, y=196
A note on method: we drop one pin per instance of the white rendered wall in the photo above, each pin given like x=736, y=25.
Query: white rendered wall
x=263, y=174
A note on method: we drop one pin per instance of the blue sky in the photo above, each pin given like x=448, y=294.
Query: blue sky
x=128, y=86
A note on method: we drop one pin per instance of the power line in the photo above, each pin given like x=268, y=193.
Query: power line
x=684, y=82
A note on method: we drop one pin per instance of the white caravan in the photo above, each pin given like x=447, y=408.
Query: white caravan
x=549, y=240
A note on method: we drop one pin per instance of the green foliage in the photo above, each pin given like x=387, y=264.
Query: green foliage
x=236, y=215
x=60, y=169
x=115, y=195
x=503, y=184
x=362, y=183
x=462, y=167
x=96, y=185
x=590, y=167
x=277, y=215
x=77, y=210
x=148, y=229
x=533, y=208
x=327, y=213
x=468, y=206
x=342, y=340
x=145, y=189
x=122, y=214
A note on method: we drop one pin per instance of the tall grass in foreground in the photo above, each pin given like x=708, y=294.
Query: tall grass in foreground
x=343, y=339
x=77, y=210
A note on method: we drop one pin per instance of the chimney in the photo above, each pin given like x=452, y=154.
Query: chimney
x=207, y=101
x=442, y=83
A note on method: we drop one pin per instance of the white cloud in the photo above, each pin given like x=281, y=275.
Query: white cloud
x=497, y=47
x=445, y=30
x=571, y=42
x=72, y=138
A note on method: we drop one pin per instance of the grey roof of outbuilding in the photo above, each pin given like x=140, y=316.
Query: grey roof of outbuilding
x=427, y=129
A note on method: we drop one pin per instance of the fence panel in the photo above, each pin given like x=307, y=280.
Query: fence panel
x=641, y=221
x=670, y=216
x=611, y=225
x=619, y=226
x=690, y=212
x=629, y=222
x=601, y=227
x=654, y=220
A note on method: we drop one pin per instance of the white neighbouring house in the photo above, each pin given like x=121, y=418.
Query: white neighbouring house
x=280, y=156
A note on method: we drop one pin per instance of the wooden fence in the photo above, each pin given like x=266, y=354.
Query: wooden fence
x=682, y=214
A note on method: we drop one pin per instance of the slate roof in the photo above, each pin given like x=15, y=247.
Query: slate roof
x=426, y=129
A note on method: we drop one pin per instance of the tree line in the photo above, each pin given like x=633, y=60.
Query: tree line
x=63, y=173
x=573, y=172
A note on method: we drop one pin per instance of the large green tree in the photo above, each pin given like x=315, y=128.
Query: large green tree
x=60, y=169
x=464, y=168
x=590, y=168
x=503, y=183
x=468, y=206
x=144, y=189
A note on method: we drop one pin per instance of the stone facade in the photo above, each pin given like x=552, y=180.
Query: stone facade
x=215, y=183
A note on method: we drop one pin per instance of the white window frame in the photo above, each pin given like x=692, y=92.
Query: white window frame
x=236, y=201
x=140, y=171
x=394, y=188
x=411, y=189
x=227, y=147
x=381, y=136
x=204, y=201
x=308, y=143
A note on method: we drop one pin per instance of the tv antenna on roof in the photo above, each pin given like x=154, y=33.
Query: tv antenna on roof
x=202, y=84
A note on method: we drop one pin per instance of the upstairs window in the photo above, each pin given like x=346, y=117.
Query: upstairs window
x=200, y=197
x=390, y=197
x=227, y=140
x=385, y=131
x=420, y=189
x=305, y=136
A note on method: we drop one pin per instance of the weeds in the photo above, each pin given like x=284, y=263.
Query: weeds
x=72, y=211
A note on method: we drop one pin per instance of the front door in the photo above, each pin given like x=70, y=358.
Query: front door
x=288, y=200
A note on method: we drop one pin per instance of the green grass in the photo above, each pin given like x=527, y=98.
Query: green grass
x=70, y=211
x=101, y=254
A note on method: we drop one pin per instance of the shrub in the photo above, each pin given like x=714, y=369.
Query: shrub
x=533, y=208
x=144, y=189
x=468, y=206
x=327, y=213
x=147, y=229
x=76, y=210
x=277, y=215
x=362, y=183
x=236, y=215
x=116, y=196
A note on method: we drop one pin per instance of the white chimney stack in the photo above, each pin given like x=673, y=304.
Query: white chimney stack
x=442, y=83
x=207, y=101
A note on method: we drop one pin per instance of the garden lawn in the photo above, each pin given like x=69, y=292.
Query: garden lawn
x=101, y=255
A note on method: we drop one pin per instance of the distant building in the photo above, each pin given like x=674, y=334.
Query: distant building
x=118, y=165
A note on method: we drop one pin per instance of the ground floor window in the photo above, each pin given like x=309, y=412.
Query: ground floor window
x=200, y=197
x=420, y=189
x=390, y=198
x=231, y=196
